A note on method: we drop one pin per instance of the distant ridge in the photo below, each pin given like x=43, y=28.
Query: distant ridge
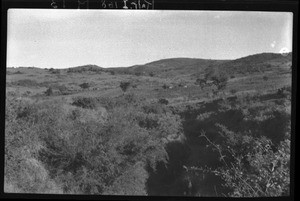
x=262, y=57
x=254, y=64
x=177, y=67
x=179, y=63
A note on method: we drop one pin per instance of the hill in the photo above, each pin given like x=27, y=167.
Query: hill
x=255, y=72
x=172, y=67
x=192, y=67
x=257, y=63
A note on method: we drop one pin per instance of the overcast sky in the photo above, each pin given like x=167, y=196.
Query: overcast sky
x=50, y=38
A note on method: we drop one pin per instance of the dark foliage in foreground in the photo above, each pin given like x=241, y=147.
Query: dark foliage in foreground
x=249, y=138
x=67, y=150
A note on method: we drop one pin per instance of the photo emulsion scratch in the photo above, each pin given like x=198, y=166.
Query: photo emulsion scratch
x=148, y=102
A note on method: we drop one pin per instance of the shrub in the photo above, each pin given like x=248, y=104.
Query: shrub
x=163, y=101
x=233, y=91
x=18, y=72
x=24, y=173
x=49, y=92
x=85, y=102
x=200, y=82
x=62, y=89
x=61, y=153
x=100, y=158
x=84, y=85
x=265, y=78
x=268, y=65
x=220, y=81
x=124, y=86
x=54, y=71
x=106, y=102
x=252, y=167
x=165, y=86
x=130, y=182
x=138, y=73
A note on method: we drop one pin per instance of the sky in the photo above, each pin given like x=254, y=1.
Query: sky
x=50, y=38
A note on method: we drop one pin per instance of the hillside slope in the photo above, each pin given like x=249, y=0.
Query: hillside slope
x=173, y=67
x=191, y=67
x=257, y=63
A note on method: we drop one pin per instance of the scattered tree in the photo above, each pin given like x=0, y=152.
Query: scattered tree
x=84, y=85
x=138, y=73
x=220, y=81
x=233, y=91
x=49, y=91
x=163, y=101
x=165, y=86
x=124, y=86
x=200, y=82
x=63, y=89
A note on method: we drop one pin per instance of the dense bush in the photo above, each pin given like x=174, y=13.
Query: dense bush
x=252, y=167
x=101, y=155
x=73, y=149
x=24, y=172
x=249, y=136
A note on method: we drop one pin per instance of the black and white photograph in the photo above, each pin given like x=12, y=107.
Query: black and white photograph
x=192, y=103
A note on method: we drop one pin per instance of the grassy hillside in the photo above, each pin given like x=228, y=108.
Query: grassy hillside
x=170, y=68
x=259, y=63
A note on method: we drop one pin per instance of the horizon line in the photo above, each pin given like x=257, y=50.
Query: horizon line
x=283, y=53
